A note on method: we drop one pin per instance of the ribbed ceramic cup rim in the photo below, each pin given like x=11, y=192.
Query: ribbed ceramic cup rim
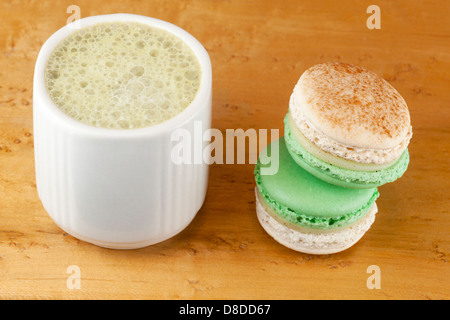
x=194, y=107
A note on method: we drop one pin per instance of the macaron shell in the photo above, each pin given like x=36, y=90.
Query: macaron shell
x=353, y=106
x=303, y=199
x=340, y=176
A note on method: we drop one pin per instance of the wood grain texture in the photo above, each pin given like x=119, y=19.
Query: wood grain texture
x=258, y=50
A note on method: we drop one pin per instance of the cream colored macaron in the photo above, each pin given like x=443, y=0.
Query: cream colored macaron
x=351, y=113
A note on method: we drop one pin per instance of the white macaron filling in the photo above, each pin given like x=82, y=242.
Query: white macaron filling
x=330, y=158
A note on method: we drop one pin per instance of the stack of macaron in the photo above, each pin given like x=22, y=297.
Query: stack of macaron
x=346, y=133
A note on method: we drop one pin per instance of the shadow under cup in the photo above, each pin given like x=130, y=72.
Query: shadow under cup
x=118, y=188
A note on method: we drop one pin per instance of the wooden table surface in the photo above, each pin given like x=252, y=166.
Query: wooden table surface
x=258, y=51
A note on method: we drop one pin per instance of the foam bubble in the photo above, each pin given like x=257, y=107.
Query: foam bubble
x=122, y=75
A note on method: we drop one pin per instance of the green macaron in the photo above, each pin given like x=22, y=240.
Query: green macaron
x=305, y=213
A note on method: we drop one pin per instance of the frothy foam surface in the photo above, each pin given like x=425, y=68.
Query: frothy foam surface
x=122, y=75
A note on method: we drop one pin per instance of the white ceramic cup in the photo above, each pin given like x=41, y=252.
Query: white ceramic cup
x=118, y=188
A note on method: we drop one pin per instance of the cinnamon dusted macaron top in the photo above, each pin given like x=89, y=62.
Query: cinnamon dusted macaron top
x=351, y=112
